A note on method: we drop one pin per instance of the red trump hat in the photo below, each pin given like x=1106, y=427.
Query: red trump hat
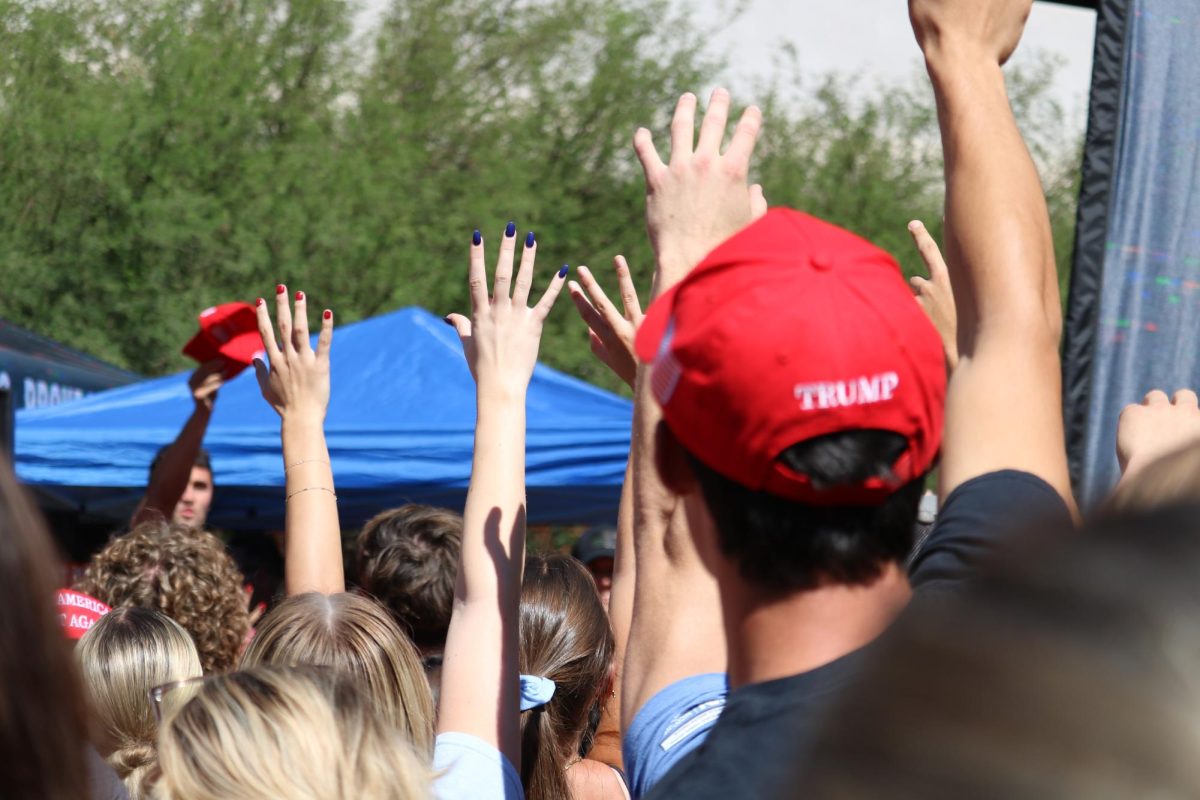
x=228, y=331
x=792, y=329
x=78, y=612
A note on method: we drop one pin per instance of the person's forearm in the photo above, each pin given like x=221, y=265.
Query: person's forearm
x=999, y=245
x=170, y=478
x=313, y=549
x=480, y=662
x=607, y=747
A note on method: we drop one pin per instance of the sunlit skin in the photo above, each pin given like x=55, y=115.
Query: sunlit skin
x=192, y=508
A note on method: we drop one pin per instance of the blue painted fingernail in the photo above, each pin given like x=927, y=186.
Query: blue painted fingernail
x=476, y=238
x=562, y=273
x=529, y=240
x=511, y=230
x=448, y=321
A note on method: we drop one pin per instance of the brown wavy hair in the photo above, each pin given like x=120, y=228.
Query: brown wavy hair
x=566, y=637
x=43, y=728
x=407, y=559
x=355, y=635
x=185, y=574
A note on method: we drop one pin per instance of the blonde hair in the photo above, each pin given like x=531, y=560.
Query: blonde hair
x=125, y=655
x=185, y=574
x=357, y=635
x=284, y=734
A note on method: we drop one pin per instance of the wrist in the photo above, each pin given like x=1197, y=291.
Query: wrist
x=497, y=394
x=297, y=425
x=949, y=62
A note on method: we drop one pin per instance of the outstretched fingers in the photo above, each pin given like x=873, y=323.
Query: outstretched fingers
x=712, y=129
x=598, y=298
x=300, y=341
x=524, y=281
x=745, y=136
x=930, y=254
x=683, y=127
x=325, y=340
x=504, y=266
x=542, y=309
x=477, y=274
x=283, y=315
x=270, y=345
x=629, y=295
x=652, y=163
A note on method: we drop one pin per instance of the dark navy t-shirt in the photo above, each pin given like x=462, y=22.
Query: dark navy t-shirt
x=752, y=749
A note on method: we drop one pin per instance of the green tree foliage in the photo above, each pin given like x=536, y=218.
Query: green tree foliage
x=160, y=156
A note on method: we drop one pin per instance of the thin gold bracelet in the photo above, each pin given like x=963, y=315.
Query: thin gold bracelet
x=305, y=461
x=311, y=489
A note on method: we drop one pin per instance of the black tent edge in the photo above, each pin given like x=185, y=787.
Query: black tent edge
x=1091, y=227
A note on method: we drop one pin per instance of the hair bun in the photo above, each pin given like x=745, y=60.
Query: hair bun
x=134, y=757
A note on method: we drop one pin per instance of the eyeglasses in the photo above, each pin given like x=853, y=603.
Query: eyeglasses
x=179, y=692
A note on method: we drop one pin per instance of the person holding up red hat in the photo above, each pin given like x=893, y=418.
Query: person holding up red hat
x=181, y=478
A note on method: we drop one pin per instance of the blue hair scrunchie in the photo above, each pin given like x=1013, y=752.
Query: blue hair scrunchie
x=536, y=691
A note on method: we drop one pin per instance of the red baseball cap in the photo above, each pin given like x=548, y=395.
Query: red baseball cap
x=791, y=329
x=228, y=331
x=78, y=612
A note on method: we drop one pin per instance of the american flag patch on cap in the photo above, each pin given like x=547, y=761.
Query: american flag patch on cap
x=664, y=375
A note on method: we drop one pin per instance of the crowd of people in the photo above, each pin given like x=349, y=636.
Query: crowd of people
x=773, y=615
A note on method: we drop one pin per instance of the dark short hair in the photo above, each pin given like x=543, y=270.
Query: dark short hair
x=782, y=545
x=203, y=460
x=407, y=558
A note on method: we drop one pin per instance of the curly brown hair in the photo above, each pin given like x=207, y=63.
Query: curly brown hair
x=407, y=559
x=183, y=573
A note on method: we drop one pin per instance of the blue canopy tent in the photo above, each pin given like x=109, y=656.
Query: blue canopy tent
x=400, y=428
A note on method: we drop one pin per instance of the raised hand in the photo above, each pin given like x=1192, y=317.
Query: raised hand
x=700, y=198
x=987, y=28
x=297, y=387
x=934, y=294
x=502, y=337
x=1156, y=426
x=205, y=382
x=611, y=332
x=297, y=384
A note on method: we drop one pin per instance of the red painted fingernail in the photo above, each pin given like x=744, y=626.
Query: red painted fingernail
x=260, y=301
x=328, y=314
x=280, y=289
x=299, y=295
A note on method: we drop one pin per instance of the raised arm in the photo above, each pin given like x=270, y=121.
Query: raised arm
x=297, y=387
x=611, y=333
x=480, y=680
x=692, y=204
x=1004, y=399
x=173, y=469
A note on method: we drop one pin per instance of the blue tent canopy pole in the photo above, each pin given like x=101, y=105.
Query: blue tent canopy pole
x=400, y=428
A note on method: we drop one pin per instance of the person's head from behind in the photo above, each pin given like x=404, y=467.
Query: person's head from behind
x=185, y=574
x=565, y=637
x=284, y=734
x=355, y=635
x=407, y=559
x=802, y=391
x=42, y=711
x=123, y=656
x=596, y=549
x=193, y=506
x=1070, y=672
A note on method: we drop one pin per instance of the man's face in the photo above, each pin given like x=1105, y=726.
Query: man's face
x=192, y=508
x=602, y=572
